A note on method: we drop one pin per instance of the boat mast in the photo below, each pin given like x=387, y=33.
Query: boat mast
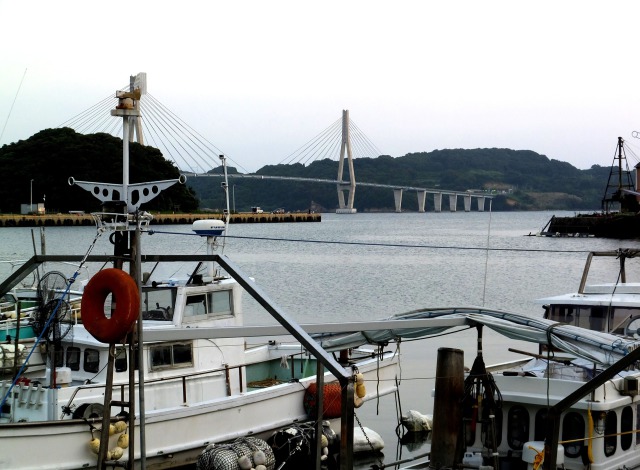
x=621, y=192
x=122, y=215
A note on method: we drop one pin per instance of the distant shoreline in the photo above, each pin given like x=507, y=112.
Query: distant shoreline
x=77, y=219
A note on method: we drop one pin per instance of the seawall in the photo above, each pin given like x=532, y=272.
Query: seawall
x=68, y=220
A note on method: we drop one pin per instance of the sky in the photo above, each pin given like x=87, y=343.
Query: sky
x=261, y=78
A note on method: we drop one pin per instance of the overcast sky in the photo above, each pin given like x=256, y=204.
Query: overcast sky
x=261, y=78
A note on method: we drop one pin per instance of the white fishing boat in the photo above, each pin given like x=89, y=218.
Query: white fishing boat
x=150, y=371
x=573, y=404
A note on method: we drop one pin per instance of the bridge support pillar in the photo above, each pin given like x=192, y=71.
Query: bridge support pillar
x=453, y=202
x=350, y=187
x=467, y=203
x=437, y=202
x=397, y=198
x=422, y=197
x=481, y=204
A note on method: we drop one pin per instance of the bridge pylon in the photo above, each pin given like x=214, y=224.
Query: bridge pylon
x=350, y=185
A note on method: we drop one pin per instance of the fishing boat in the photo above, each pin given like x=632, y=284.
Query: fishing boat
x=572, y=404
x=618, y=217
x=151, y=369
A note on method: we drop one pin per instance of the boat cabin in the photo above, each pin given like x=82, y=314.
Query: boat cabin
x=609, y=308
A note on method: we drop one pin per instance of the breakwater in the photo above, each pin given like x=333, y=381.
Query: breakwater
x=69, y=220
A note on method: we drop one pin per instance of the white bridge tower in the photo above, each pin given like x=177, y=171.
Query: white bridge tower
x=350, y=185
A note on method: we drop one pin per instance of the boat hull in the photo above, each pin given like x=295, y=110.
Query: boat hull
x=174, y=436
x=621, y=226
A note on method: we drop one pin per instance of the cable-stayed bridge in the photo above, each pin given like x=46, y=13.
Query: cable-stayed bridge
x=438, y=194
x=194, y=155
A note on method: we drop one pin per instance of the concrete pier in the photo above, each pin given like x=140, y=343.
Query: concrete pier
x=453, y=202
x=437, y=202
x=397, y=198
x=422, y=198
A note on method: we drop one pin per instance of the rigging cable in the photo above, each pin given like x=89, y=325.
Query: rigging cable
x=12, y=104
x=486, y=260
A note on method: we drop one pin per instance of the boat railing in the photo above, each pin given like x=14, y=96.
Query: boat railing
x=184, y=378
x=113, y=221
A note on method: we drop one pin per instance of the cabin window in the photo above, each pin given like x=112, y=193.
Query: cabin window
x=171, y=355
x=491, y=427
x=157, y=304
x=540, y=427
x=517, y=427
x=610, y=433
x=211, y=304
x=91, y=360
x=73, y=358
x=620, y=319
x=221, y=302
x=626, y=426
x=583, y=317
x=572, y=429
x=596, y=318
x=121, y=359
x=196, y=306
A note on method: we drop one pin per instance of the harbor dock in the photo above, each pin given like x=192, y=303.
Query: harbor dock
x=75, y=219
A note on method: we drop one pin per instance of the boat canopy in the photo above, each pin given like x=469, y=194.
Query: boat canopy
x=597, y=347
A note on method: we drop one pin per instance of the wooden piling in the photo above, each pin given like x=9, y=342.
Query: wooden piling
x=446, y=442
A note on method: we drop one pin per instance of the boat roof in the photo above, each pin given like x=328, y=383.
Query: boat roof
x=617, y=294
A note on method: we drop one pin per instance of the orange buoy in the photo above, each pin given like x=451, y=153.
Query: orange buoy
x=126, y=298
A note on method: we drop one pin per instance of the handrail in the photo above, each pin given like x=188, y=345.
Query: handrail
x=182, y=377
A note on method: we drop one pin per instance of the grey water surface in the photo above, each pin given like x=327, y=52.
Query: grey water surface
x=362, y=267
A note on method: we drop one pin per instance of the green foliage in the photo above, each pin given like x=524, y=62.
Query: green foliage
x=519, y=179
x=51, y=156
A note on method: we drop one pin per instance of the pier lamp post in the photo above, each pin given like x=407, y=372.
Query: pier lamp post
x=31, y=197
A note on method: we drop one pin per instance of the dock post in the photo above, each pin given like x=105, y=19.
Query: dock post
x=446, y=438
x=346, y=423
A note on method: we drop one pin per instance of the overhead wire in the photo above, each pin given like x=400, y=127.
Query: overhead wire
x=13, y=104
x=378, y=244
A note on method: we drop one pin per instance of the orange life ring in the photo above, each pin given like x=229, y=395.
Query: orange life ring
x=127, y=300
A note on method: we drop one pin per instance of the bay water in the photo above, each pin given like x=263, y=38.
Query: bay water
x=361, y=267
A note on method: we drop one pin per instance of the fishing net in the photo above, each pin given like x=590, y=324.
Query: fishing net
x=226, y=456
x=293, y=447
x=481, y=399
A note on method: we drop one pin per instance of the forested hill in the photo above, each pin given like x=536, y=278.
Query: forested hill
x=519, y=179
x=41, y=166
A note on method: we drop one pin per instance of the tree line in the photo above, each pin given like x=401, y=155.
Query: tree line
x=518, y=179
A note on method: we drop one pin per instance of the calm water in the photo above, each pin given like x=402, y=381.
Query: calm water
x=370, y=266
